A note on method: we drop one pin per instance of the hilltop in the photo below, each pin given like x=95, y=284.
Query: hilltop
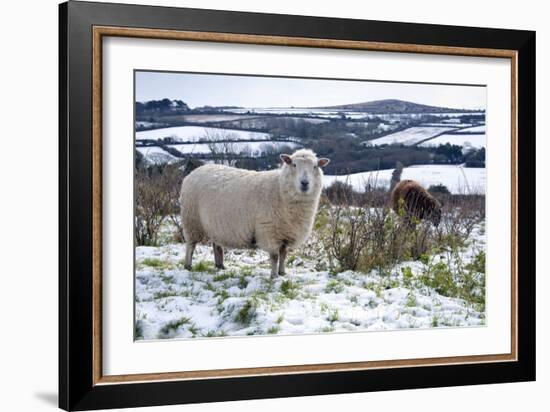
x=389, y=106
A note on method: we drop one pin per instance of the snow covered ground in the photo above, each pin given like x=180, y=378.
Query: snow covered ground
x=441, y=124
x=473, y=140
x=313, y=120
x=251, y=148
x=339, y=112
x=457, y=179
x=156, y=154
x=172, y=302
x=411, y=135
x=147, y=124
x=205, y=118
x=474, y=129
x=196, y=133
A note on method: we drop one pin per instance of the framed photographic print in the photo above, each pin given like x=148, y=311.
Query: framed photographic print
x=257, y=205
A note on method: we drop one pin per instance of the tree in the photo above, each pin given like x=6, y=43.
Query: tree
x=452, y=152
x=475, y=158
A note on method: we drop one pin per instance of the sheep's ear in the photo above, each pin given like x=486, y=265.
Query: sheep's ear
x=323, y=162
x=286, y=158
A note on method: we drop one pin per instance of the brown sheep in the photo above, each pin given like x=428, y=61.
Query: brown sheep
x=415, y=201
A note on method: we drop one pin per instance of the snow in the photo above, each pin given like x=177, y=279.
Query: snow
x=475, y=129
x=313, y=120
x=155, y=154
x=290, y=110
x=452, y=120
x=472, y=140
x=339, y=112
x=385, y=127
x=145, y=124
x=411, y=135
x=253, y=149
x=445, y=124
x=196, y=133
x=206, y=118
x=172, y=302
x=457, y=179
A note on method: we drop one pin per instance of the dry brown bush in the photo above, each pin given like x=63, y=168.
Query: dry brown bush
x=363, y=233
x=156, y=200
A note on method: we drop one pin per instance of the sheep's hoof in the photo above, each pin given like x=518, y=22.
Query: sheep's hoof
x=221, y=267
x=282, y=273
x=188, y=267
x=273, y=276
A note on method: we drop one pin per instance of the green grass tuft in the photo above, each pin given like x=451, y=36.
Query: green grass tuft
x=165, y=294
x=334, y=286
x=138, y=330
x=223, y=276
x=290, y=289
x=173, y=325
x=156, y=263
x=203, y=266
x=243, y=282
x=247, y=313
x=411, y=300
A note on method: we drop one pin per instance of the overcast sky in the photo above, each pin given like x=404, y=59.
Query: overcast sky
x=254, y=91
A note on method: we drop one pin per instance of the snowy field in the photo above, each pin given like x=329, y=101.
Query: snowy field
x=172, y=302
x=339, y=112
x=250, y=148
x=294, y=110
x=156, y=154
x=206, y=118
x=457, y=179
x=313, y=120
x=474, y=129
x=410, y=136
x=196, y=133
x=445, y=124
x=473, y=140
x=147, y=124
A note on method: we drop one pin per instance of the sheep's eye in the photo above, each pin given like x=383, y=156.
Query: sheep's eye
x=294, y=164
x=314, y=167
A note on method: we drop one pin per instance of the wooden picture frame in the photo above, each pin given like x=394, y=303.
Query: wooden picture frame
x=82, y=385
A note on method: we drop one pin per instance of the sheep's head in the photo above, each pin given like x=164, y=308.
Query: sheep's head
x=435, y=216
x=302, y=173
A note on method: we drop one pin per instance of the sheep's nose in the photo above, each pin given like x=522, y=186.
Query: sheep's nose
x=304, y=184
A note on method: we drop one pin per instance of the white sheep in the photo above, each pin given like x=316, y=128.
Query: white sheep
x=243, y=209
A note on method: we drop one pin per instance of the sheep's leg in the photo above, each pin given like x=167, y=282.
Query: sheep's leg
x=274, y=260
x=189, y=250
x=282, y=257
x=218, y=256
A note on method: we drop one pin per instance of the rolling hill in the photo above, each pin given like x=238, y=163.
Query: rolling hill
x=389, y=106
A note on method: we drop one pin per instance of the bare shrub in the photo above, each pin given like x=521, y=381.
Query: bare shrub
x=172, y=177
x=349, y=237
x=341, y=193
x=360, y=236
x=462, y=213
x=150, y=206
x=439, y=189
x=223, y=146
x=156, y=201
